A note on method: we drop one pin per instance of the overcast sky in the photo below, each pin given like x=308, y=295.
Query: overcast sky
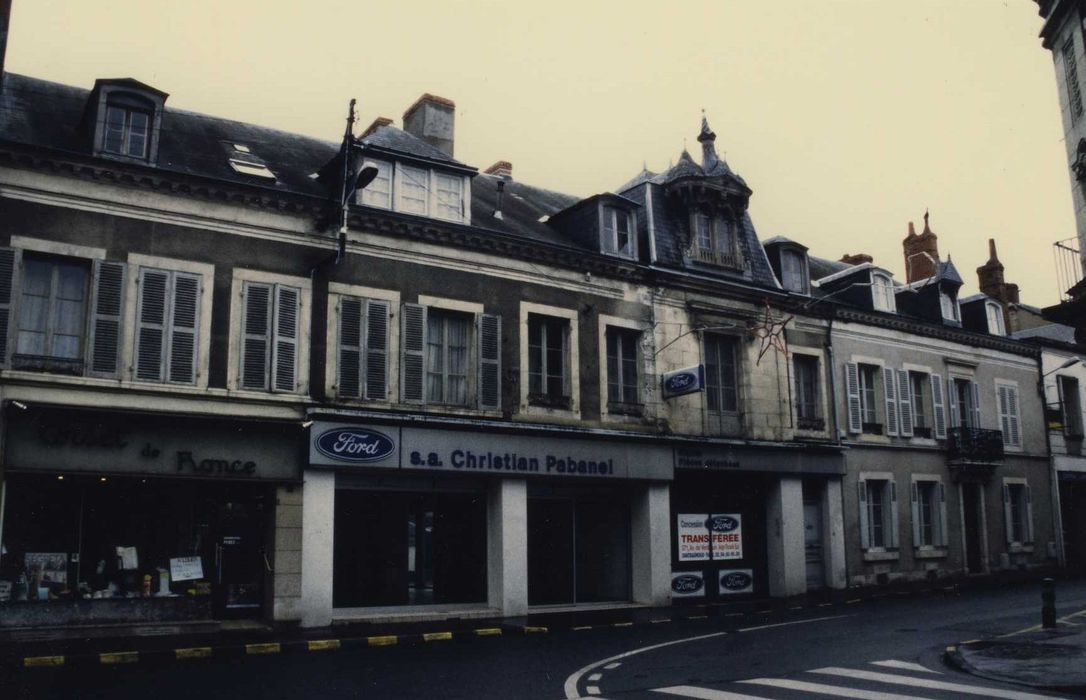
x=846, y=117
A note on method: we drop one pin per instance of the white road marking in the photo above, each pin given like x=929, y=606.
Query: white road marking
x=836, y=690
x=928, y=683
x=593, y=690
x=595, y=677
x=610, y=667
x=689, y=691
x=903, y=665
x=570, y=686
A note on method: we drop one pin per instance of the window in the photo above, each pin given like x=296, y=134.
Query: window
x=447, y=345
x=807, y=395
x=994, y=312
x=167, y=323
x=1009, y=423
x=622, y=381
x=920, y=403
x=1070, y=74
x=379, y=192
x=794, y=271
x=714, y=240
x=127, y=131
x=617, y=230
x=52, y=311
x=878, y=513
x=548, y=361
x=721, y=377
x=363, y=348
x=949, y=306
x=1071, y=406
x=964, y=403
x=862, y=388
x=450, y=357
x=414, y=190
x=929, y=513
x=269, y=337
x=869, y=377
x=1017, y=511
x=450, y=197
x=882, y=292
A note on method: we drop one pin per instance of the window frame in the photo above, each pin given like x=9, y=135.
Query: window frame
x=446, y=317
x=572, y=359
x=711, y=381
x=609, y=233
x=609, y=408
x=997, y=316
x=882, y=285
x=804, y=275
x=949, y=308
x=869, y=380
x=1009, y=412
x=815, y=402
x=386, y=172
x=239, y=278
x=128, y=112
x=548, y=326
x=929, y=531
x=1070, y=397
x=1018, y=514
x=52, y=301
x=337, y=291
x=921, y=403
x=887, y=525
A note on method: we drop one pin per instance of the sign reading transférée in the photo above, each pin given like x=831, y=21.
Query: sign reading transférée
x=705, y=537
x=684, y=381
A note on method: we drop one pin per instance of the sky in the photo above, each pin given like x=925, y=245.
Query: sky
x=847, y=118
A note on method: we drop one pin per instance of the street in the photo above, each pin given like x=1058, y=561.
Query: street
x=882, y=648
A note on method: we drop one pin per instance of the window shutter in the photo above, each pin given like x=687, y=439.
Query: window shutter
x=937, y=407
x=285, y=349
x=1012, y=413
x=892, y=540
x=904, y=395
x=952, y=399
x=413, y=359
x=1004, y=414
x=865, y=535
x=1028, y=529
x=107, y=311
x=377, y=349
x=9, y=290
x=490, y=362
x=915, y=516
x=1008, y=524
x=852, y=388
x=256, y=323
x=1065, y=416
x=151, y=324
x=889, y=385
x=974, y=410
x=941, y=536
x=183, y=324
x=350, y=347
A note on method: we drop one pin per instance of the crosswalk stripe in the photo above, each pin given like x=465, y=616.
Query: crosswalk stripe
x=689, y=691
x=903, y=665
x=836, y=690
x=928, y=683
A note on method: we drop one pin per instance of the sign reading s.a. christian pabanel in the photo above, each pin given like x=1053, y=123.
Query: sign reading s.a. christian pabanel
x=689, y=380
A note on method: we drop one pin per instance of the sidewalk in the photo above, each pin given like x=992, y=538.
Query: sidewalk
x=1052, y=659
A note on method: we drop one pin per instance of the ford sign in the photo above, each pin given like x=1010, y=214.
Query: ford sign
x=723, y=523
x=355, y=444
x=684, y=381
x=736, y=581
x=687, y=584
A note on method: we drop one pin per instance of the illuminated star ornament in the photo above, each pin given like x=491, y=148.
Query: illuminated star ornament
x=771, y=333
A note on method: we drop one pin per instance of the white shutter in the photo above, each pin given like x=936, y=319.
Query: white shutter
x=892, y=540
x=889, y=386
x=151, y=324
x=952, y=400
x=184, y=321
x=904, y=395
x=256, y=305
x=852, y=389
x=1028, y=534
x=490, y=362
x=106, y=312
x=941, y=536
x=349, y=382
x=10, y=260
x=377, y=312
x=1004, y=415
x=974, y=410
x=1012, y=413
x=1008, y=515
x=413, y=355
x=285, y=348
x=865, y=535
x=915, y=515
x=937, y=408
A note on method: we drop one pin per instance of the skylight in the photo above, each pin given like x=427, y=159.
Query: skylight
x=245, y=162
x=254, y=169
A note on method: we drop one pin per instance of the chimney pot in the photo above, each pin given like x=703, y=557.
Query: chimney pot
x=501, y=168
x=856, y=258
x=377, y=124
x=432, y=119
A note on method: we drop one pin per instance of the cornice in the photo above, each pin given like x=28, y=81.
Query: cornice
x=915, y=327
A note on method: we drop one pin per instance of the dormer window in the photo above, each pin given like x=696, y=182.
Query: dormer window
x=882, y=292
x=420, y=191
x=794, y=276
x=122, y=120
x=714, y=240
x=617, y=231
x=379, y=192
x=994, y=312
x=949, y=305
x=127, y=130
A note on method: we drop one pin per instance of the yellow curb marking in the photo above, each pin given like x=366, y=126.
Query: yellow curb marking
x=534, y=630
x=385, y=641
x=269, y=648
x=661, y=620
x=622, y=624
x=489, y=632
x=192, y=653
x=582, y=628
x=119, y=657
x=38, y=661
x=323, y=644
x=437, y=636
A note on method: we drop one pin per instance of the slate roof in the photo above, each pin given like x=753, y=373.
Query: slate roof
x=393, y=139
x=1052, y=331
x=824, y=267
x=945, y=271
x=522, y=207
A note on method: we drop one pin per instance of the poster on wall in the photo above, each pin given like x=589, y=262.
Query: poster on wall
x=186, y=568
x=693, y=537
x=52, y=565
x=716, y=537
x=734, y=581
x=687, y=584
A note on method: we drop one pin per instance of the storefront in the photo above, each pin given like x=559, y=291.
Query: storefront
x=428, y=520
x=131, y=517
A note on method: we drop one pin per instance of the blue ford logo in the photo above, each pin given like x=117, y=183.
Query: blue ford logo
x=355, y=444
x=736, y=581
x=722, y=523
x=678, y=382
x=687, y=583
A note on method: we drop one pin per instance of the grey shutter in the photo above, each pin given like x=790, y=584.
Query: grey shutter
x=184, y=322
x=941, y=535
x=490, y=362
x=938, y=413
x=904, y=395
x=852, y=389
x=1028, y=530
x=106, y=317
x=9, y=292
x=377, y=349
x=413, y=356
x=151, y=324
x=915, y=515
x=1008, y=515
x=1012, y=414
x=974, y=410
x=255, y=326
x=1004, y=413
x=865, y=535
x=889, y=386
x=349, y=383
x=892, y=540
x=1065, y=419
x=952, y=401
x=285, y=338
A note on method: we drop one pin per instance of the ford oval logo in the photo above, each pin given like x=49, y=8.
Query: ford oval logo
x=736, y=581
x=723, y=523
x=355, y=444
x=687, y=583
x=679, y=382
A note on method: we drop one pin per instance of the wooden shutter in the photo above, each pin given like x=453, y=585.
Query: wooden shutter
x=285, y=339
x=1065, y=418
x=1008, y=515
x=413, y=355
x=1004, y=415
x=952, y=401
x=974, y=410
x=889, y=387
x=915, y=515
x=892, y=540
x=1028, y=513
x=184, y=322
x=349, y=383
x=10, y=259
x=1012, y=417
x=106, y=317
x=852, y=389
x=904, y=395
x=255, y=326
x=941, y=538
x=151, y=324
x=938, y=413
x=490, y=362
x=377, y=312
x=865, y=535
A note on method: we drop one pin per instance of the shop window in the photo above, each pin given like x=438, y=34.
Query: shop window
x=808, y=399
x=548, y=361
x=363, y=348
x=269, y=337
x=623, y=390
x=450, y=358
x=1017, y=511
x=396, y=548
x=878, y=513
x=167, y=326
x=1009, y=420
x=1070, y=406
x=929, y=513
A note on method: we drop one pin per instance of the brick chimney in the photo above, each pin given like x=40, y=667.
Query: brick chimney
x=856, y=258
x=432, y=119
x=377, y=124
x=502, y=168
x=990, y=279
x=921, y=253
x=5, y=21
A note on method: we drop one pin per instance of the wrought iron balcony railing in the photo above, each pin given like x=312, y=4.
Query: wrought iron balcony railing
x=974, y=445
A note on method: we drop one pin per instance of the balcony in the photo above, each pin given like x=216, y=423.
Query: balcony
x=974, y=451
x=718, y=258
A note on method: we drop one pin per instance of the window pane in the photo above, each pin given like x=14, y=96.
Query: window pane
x=723, y=239
x=435, y=358
x=622, y=220
x=137, y=134
x=705, y=235
x=449, y=197
x=376, y=194
x=114, y=130
x=458, y=332
x=609, y=229
x=415, y=190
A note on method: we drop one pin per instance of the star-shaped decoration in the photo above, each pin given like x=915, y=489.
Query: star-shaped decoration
x=771, y=334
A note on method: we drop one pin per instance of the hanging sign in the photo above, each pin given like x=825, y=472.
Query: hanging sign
x=687, y=584
x=704, y=537
x=684, y=381
x=734, y=581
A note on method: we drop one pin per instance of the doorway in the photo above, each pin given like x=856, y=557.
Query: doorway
x=973, y=524
x=234, y=530
x=812, y=544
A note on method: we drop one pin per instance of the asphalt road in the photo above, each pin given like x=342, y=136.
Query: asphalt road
x=886, y=648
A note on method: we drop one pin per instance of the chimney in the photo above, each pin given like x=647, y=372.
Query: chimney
x=502, y=169
x=856, y=259
x=921, y=253
x=377, y=124
x=5, y=21
x=432, y=119
x=991, y=282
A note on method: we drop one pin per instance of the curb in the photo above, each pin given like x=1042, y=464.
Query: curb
x=954, y=658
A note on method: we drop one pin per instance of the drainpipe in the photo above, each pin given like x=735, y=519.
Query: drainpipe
x=1053, y=474
x=833, y=380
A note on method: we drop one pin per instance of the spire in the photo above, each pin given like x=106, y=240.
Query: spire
x=707, y=139
x=927, y=229
x=921, y=253
x=993, y=259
